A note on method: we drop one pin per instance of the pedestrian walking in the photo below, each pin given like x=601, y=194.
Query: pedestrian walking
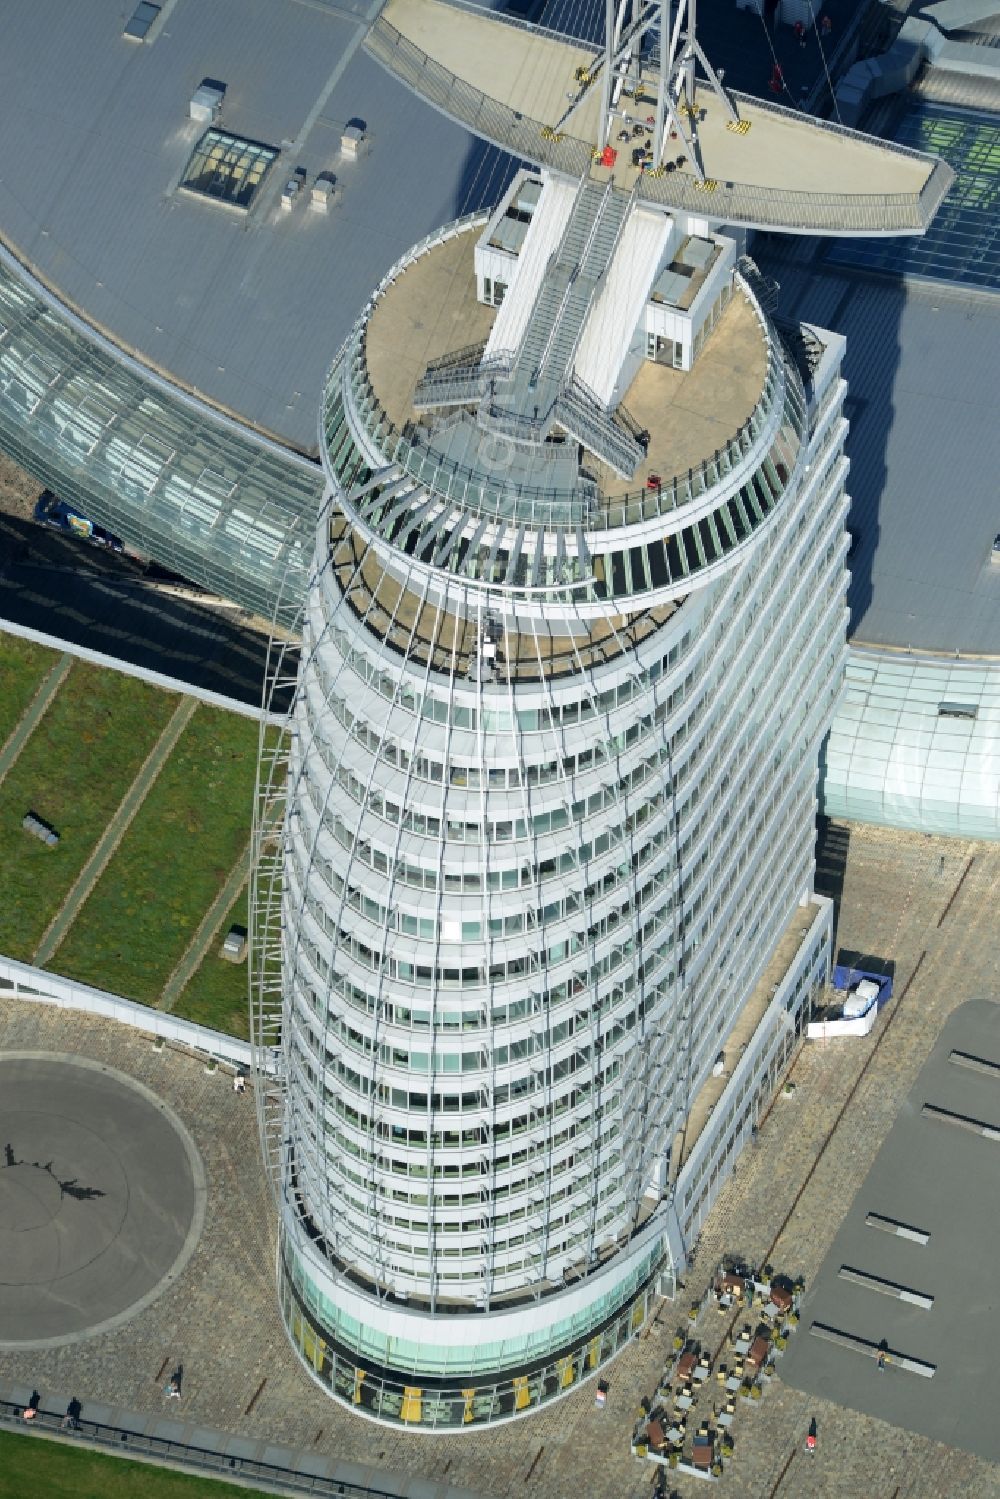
x=811, y=1437
x=825, y=24
x=777, y=82
x=239, y=1082
x=880, y=1361
x=71, y=1420
x=800, y=33
x=31, y=1409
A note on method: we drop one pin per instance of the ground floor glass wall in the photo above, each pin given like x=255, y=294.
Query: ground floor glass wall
x=440, y=1403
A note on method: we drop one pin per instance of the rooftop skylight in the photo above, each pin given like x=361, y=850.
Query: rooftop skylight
x=141, y=20
x=227, y=168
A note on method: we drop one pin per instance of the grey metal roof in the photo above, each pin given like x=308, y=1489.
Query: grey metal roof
x=247, y=309
x=924, y=447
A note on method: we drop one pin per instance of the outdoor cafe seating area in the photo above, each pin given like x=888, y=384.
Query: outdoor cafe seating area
x=714, y=1364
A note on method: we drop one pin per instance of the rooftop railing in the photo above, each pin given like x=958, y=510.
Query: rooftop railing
x=193, y=1455
x=560, y=506
x=451, y=480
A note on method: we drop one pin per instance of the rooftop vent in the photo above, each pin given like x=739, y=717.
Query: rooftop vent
x=292, y=188
x=325, y=193
x=206, y=102
x=354, y=141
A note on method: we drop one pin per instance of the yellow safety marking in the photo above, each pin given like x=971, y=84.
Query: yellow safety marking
x=738, y=127
x=708, y=185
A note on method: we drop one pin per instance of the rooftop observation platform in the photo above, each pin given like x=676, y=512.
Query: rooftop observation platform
x=512, y=83
x=431, y=311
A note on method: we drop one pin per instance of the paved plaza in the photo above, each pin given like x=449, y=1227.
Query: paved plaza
x=102, y=1198
x=926, y=904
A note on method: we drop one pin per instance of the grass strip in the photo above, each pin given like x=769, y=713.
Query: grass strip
x=31, y=1467
x=173, y=860
x=23, y=667
x=216, y=993
x=73, y=772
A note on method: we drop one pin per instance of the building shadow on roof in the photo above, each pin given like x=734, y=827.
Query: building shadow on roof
x=833, y=841
x=52, y=584
x=867, y=311
x=484, y=176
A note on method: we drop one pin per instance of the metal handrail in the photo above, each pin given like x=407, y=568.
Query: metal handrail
x=471, y=354
x=543, y=507
x=133, y=1444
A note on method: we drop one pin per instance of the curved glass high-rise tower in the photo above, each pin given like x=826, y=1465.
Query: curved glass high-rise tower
x=551, y=806
x=575, y=630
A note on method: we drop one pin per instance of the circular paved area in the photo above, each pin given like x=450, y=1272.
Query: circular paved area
x=102, y=1198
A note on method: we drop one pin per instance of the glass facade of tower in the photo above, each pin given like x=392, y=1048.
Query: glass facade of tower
x=550, y=810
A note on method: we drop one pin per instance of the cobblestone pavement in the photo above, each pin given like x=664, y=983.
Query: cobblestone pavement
x=221, y=1321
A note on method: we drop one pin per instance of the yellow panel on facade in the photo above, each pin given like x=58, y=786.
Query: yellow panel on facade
x=359, y=1379
x=411, y=1406
x=638, y=1314
x=567, y=1373
x=313, y=1347
x=593, y=1352
x=522, y=1396
x=470, y=1396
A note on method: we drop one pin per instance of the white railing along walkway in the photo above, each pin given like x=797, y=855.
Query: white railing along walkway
x=21, y=981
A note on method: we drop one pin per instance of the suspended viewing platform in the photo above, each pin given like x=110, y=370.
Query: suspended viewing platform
x=538, y=95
